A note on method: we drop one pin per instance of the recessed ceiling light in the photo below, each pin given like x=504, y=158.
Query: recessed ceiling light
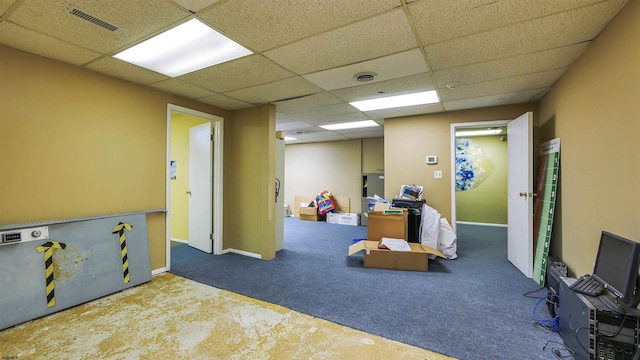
x=421, y=98
x=350, y=125
x=185, y=48
x=479, y=132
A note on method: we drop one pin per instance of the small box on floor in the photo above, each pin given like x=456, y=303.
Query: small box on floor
x=343, y=218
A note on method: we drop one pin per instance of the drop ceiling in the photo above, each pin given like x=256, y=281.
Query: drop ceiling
x=474, y=53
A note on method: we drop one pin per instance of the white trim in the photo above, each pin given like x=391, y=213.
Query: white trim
x=242, y=252
x=482, y=224
x=453, y=158
x=159, y=271
x=180, y=240
x=218, y=166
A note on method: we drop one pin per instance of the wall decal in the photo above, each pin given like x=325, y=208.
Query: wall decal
x=472, y=165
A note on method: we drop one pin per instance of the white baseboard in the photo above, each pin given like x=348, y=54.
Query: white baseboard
x=242, y=252
x=158, y=271
x=481, y=224
x=180, y=240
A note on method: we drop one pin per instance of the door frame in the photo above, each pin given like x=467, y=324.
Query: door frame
x=217, y=158
x=454, y=127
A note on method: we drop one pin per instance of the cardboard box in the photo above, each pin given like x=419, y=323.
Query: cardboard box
x=381, y=225
x=332, y=218
x=417, y=259
x=343, y=218
x=310, y=214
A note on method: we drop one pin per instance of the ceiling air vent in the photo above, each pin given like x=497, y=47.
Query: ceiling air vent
x=92, y=19
x=365, y=76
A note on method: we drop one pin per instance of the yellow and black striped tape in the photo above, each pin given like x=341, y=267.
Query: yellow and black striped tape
x=47, y=248
x=119, y=229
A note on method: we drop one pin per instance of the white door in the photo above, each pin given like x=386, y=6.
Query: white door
x=200, y=186
x=520, y=190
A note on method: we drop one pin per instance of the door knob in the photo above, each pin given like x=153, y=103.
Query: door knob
x=523, y=194
x=189, y=192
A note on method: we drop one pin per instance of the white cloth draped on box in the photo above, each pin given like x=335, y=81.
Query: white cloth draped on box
x=436, y=232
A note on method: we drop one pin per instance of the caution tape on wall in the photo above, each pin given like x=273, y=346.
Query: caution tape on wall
x=119, y=229
x=47, y=248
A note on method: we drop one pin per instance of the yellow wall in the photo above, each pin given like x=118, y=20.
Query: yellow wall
x=594, y=110
x=249, y=181
x=373, y=155
x=313, y=167
x=179, y=212
x=487, y=203
x=408, y=140
x=77, y=143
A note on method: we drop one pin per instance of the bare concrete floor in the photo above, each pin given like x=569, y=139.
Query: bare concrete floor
x=176, y=318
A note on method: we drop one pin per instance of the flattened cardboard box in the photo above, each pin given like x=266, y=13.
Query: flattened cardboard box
x=382, y=225
x=417, y=259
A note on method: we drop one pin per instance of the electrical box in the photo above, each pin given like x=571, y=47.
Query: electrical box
x=432, y=159
x=24, y=235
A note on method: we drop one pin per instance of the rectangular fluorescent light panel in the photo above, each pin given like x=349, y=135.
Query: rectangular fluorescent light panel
x=350, y=125
x=287, y=138
x=479, y=132
x=183, y=49
x=421, y=98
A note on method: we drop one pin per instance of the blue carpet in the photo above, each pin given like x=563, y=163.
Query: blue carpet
x=469, y=308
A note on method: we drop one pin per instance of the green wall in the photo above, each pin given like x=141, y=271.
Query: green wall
x=487, y=202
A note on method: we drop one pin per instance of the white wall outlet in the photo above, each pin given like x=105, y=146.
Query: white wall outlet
x=437, y=174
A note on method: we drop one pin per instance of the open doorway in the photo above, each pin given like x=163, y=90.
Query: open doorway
x=194, y=180
x=479, y=173
x=519, y=187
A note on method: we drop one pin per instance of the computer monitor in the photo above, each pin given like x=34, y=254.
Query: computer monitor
x=616, y=267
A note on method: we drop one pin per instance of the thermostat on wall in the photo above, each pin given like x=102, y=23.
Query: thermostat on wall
x=432, y=159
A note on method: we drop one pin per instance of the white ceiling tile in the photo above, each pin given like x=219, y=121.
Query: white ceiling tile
x=238, y=74
x=177, y=87
x=121, y=69
x=356, y=116
x=24, y=39
x=405, y=111
x=405, y=85
x=390, y=32
x=5, y=5
x=493, y=100
x=322, y=112
x=386, y=68
x=291, y=125
x=516, y=65
x=501, y=86
x=195, y=5
x=224, y=102
x=373, y=131
x=135, y=19
x=275, y=91
x=558, y=30
x=321, y=136
x=456, y=18
x=307, y=102
x=276, y=22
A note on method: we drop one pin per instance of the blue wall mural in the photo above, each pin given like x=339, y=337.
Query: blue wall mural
x=472, y=165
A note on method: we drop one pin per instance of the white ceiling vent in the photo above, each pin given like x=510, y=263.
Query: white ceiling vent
x=92, y=19
x=365, y=76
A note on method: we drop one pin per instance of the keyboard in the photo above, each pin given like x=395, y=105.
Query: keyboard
x=587, y=285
